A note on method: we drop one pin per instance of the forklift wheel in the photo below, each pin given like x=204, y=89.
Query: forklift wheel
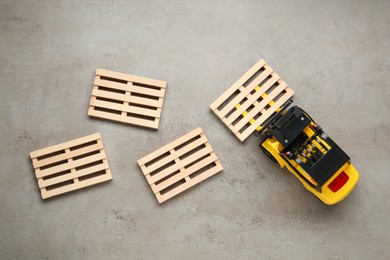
x=269, y=155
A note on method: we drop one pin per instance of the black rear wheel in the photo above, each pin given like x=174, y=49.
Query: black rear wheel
x=269, y=155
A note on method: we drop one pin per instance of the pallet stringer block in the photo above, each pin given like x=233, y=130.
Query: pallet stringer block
x=251, y=100
x=127, y=98
x=180, y=165
x=71, y=166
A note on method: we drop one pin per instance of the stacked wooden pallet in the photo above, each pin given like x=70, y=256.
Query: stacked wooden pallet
x=126, y=98
x=251, y=100
x=71, y=166
x=180, y=165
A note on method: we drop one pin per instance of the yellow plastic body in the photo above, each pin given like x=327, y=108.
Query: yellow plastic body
x=325, y=194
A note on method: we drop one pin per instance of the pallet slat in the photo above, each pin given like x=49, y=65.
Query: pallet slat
x=267, y=114
x=237, y=84
x=258, y=107
x=111, y=84
x=165, y=184
x=187, y=185
x=178, y=165
x=179, y=153
x=127, y=119
x=131, y=78
x=65, y=145
x=170, y=146
x=129, y=87
x=65, y=156
x=228, y=120
x=174, y=165
x=253, y=98
x=127, y=98
x=71, y=166
x=246, y=91
x=49, y=182
x=77, y=186
x=126, y=108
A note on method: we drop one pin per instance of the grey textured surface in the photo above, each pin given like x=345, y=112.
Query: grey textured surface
x=334, y=54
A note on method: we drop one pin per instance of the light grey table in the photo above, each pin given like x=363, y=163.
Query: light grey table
x=334, y=54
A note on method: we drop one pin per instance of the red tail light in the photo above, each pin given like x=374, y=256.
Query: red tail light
x=338, y=182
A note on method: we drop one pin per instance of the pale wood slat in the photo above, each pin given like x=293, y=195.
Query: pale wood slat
x=177, y=166
x=231, y=112
x=125, y=119
x=129, y=87
x=184, y=173
x=259, y=106
x=68, y=155
x=179, y=170
x=146, y=91
x=138, y=95
x=177, y=154
x=70, y=164
x=246, y=91
x=289, y=93
x=187, y=185
x=145, y=101
x=126, y=108
x=63, y=146
x=110, y=95
x=132, y=78
x=111, y=84
x=58, y=184
x=75, y=174
x=170, y=146
x=250, y=101
x=76, y=186
x=237, y=84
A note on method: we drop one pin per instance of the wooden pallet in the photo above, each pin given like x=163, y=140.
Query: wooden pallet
x=247, y=104
x=180, y=165
x=126, y=98
x=71, y=166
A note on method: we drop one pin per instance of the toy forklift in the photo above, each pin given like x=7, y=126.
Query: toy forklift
x=295, y=141
x=260, y=102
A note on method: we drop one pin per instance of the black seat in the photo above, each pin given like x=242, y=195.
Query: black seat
x=290, y=126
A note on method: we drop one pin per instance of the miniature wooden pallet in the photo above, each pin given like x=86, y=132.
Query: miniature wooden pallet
x=127, y=98
x=180, y=165
x=251, y=100
x=71, y=166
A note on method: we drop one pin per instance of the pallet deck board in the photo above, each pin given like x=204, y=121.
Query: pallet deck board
x=126, y=108
x=180, y=165
x=71, y=165
x=253, y=98
x=131, y=78
x=65, y=145
x=127, y=98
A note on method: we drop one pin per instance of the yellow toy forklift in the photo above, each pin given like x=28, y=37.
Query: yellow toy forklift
x=293, y=140
x=260, y=102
